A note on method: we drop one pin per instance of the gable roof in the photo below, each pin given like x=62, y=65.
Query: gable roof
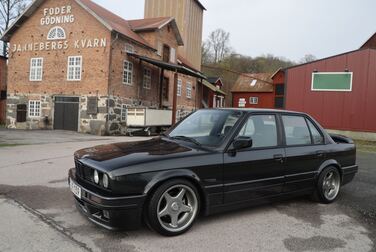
x=110, y=20
x=262, y=83
x=152, y=24
x=214, y=80
x=370, y=43
x=200, y=4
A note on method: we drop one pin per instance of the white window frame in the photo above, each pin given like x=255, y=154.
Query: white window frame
x=147, y=78
x=129, y=48
x=242, y=103
x=128, y=73
x=189, y=90
x=34, y=70
x=253, y=100
x=123, y=116
x=34, y=109
x=180, y=88
x=75, y=68
x=56, y=29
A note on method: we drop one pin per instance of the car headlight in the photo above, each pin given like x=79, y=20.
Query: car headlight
x=96, y=177
x=105, y=180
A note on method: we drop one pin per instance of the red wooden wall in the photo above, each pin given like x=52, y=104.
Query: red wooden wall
x=266, y=100
x=354, y=111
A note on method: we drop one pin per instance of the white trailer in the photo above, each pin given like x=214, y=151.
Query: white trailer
x=148, y=120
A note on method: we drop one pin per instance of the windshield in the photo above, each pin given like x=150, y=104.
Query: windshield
x=206, y=127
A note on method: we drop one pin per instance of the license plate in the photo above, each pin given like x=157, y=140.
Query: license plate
x=76, y=190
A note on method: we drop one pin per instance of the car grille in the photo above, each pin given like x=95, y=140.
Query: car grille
x=84, y=171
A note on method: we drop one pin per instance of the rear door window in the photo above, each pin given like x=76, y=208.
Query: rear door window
x=296, y=130
x=317, y=138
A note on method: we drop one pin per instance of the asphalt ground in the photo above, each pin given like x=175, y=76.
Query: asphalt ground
x=38, y=213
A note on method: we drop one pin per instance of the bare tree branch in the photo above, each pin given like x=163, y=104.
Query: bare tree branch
x=10, y=10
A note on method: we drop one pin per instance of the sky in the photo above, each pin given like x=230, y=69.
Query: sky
x=284, y=28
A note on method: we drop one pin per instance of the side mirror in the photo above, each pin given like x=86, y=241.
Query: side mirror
x=242, y=143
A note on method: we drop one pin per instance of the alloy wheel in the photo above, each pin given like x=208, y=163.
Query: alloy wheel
x=177, y=208
x=331, y=185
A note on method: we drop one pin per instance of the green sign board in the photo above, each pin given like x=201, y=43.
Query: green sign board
x=332, y=82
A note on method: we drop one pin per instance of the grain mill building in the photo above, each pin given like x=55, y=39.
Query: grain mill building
x=74, y=65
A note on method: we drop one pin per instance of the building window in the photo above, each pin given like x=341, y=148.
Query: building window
x=189, y=90
x=74, y=68
x=36, y=69
x=280, y=89
x=56, y=33
x=173, y=55
x=159, y=48
x=180, y=85
x=147, y=78
x=165, y=88
x=3, y=95
x=124, y=113
x=129, y=48
x=254, y=100
x=279, y=102
x=242, y=103
x=21, y=113
x=34, y=108
x=127, y=72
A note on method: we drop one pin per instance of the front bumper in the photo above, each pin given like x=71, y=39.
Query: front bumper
x=112, y=213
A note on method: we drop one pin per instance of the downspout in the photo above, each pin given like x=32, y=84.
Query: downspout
x=109, y=84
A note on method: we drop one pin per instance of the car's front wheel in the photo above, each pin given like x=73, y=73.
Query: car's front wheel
x=173, y=207
x=328, y=185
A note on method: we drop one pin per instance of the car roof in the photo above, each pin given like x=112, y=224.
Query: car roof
x=260, y=110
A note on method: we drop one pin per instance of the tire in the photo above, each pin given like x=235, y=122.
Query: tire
x=328, y=185
x=173, y=207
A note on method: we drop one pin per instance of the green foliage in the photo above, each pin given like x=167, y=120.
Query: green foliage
x=232, y=66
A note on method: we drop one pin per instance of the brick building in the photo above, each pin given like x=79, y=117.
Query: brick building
x=74, y=65
x=3, y=89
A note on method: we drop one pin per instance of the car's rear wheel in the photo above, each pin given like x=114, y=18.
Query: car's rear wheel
x=173, y=207
x=328, y=185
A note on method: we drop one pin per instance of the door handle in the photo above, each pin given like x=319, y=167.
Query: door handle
x=279, y=158
x=320, y=153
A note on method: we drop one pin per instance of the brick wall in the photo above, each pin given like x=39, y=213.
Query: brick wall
x=102, y=72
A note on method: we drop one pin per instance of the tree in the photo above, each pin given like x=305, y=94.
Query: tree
x=218, y=43
x=10, y=10
x=205, y=52
x=308, y=58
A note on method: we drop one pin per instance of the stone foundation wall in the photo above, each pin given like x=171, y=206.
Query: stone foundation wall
x=88, y=123
x=107, y=121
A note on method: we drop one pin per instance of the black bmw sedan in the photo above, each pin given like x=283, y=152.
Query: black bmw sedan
x=212, y=161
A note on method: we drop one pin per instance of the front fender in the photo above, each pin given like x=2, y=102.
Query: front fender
x=160, y=177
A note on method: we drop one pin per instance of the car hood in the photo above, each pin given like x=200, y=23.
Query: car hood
x=119, y=155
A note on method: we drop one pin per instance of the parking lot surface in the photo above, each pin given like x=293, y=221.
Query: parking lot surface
x=38, y=212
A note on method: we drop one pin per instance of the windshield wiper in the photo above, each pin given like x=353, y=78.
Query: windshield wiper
x=187, y=139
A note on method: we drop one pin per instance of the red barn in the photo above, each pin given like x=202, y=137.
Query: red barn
x=339, y=91
x=253, y=91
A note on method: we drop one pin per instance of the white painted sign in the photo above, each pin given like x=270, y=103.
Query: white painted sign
x=53, y=17
x=57, y=15
x=60, y=45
